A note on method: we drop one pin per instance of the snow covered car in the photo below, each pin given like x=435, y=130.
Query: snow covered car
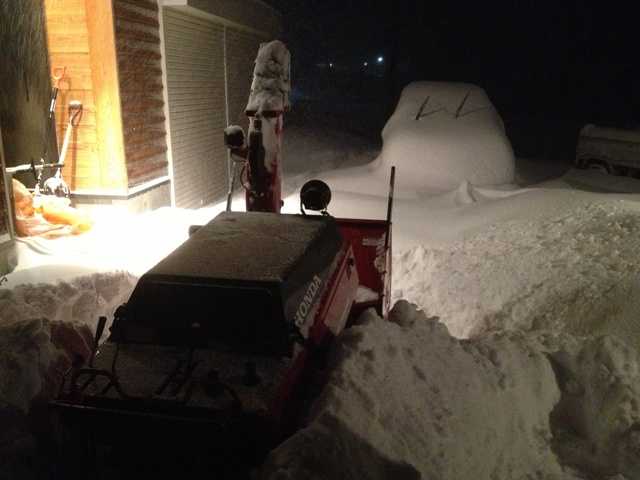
x=440, y=135
x=444, y=133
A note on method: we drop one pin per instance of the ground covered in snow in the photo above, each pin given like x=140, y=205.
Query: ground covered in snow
x=511, y=350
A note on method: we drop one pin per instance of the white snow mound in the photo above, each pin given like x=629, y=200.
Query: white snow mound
x=457, y=136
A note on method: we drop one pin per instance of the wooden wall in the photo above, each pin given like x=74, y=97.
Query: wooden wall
x=137, y=31
x=111, y=51
x=25, y=97
x=69, y=46
x=25, y=86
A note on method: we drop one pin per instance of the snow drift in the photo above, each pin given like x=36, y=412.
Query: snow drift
x=491, y=407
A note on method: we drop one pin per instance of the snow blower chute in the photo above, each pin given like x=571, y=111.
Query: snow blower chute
x=261, y=155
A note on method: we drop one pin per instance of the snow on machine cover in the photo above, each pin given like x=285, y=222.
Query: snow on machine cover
x=248, y=279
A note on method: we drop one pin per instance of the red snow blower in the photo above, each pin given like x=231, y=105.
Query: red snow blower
x=213, y=360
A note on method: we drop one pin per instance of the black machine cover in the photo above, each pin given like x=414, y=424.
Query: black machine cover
x=237, y=282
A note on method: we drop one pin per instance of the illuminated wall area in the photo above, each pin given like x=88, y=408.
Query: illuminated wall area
x=158, y=82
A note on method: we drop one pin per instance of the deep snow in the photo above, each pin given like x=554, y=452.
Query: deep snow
x=531, y=370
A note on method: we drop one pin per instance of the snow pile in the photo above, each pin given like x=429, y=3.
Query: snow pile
x=43, y=325
x=419, y=420
x=35, y=355
x=597, y=421
x=407, y=400
x=456, y=135
x=576, y=269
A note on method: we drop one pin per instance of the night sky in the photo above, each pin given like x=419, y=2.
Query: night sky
x=549, y=66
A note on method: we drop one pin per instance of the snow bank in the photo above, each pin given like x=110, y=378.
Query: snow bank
x=35, y=354
x=405, y=399
x=597, y=421
x=574, y=269
x=43, y=325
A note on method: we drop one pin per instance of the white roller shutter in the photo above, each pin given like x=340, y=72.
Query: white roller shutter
x=209, y=68
x=194, y=51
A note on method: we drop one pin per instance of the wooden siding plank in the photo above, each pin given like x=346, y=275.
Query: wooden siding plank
x=68, y=41
x=140, y=74
x=105, y=86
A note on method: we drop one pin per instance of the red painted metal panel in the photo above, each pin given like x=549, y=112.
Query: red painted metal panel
x=373, y=262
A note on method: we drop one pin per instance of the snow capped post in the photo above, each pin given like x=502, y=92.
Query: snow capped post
x=268, y=101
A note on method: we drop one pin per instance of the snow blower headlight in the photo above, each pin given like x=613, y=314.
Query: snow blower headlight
x=315, y=195
x=234, y=137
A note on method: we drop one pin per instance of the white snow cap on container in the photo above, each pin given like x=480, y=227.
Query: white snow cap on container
x=270, y=88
